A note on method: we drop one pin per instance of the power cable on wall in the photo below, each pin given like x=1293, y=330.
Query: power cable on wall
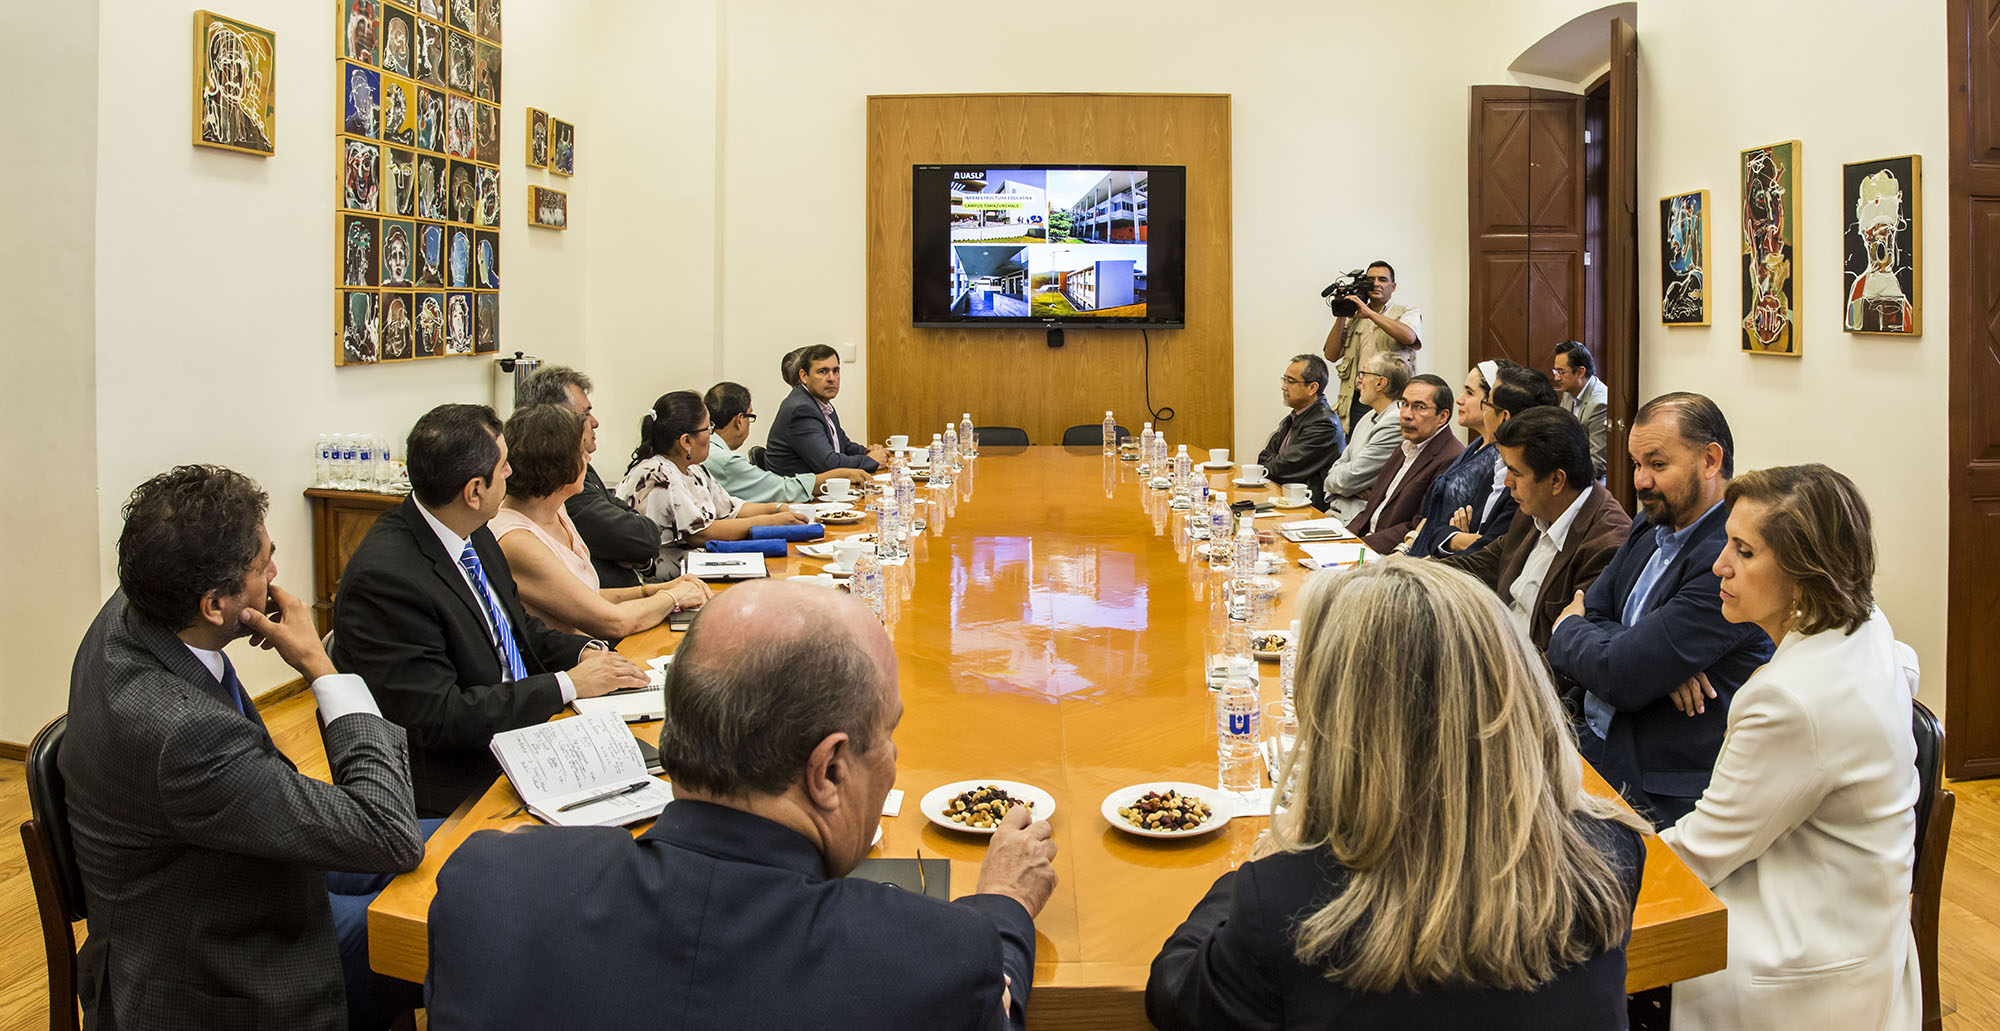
x=1163, y=414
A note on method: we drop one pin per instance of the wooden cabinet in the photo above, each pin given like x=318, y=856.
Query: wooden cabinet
x=340, y=519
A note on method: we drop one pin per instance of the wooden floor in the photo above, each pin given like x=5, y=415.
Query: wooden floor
x=1969, y=942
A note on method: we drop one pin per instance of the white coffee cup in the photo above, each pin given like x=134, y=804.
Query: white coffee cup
x=1253, y=472
x=837, y=489
x=1296, y=493
x=1218, y=454
x=846, y=553
x=900, y=440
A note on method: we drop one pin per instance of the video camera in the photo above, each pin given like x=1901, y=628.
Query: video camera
x=1340, y=295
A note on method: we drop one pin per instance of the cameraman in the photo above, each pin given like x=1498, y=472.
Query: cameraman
x=1376, y=327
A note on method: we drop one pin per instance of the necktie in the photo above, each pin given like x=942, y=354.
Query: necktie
x=232, y=687
x=503, y=645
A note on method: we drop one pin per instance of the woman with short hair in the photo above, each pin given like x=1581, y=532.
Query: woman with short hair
x=1807, y=831
x=549, y=561
x=1440, y=864
x=667, y=483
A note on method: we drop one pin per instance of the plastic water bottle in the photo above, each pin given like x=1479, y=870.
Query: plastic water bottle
x=350, y=453
x=968, y=437
x=890, y=542
x=1288, y=667
x=940, y=462
x=1238, y=720
x=364, y=473
x=1218, y=530
x=323, y=461
x=951, y=454
x=1146, y=450
x=867, y=583
x=1110, y=434
x=385, y=463
x=1183, y=476
x=1243, y=556
x=906, y=494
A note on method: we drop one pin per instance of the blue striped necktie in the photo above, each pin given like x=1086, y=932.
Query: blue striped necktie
x=503, y=646
x=233, y=686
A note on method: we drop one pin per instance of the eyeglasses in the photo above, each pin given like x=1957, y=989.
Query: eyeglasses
x=704, y=429
x=1290, y=381
x=1418, y=407
x=749, y=417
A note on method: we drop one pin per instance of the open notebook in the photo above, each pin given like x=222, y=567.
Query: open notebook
x=586, y=771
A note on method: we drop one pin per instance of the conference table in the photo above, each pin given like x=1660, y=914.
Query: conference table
x=1052, y=626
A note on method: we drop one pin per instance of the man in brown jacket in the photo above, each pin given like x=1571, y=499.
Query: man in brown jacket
x=1428, y=448
x=1573, y=529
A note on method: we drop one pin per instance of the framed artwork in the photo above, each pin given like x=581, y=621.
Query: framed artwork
x=417, y=191
x=1770, y=182
x=1883, y=267
x=562, y=147
x=235, y=85
x=548, y=209
x=538, y=138
x=1684, y=259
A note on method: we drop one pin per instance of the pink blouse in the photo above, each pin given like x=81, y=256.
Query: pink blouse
x=572, y=553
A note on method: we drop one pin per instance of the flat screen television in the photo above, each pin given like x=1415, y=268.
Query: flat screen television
x=1048, y=245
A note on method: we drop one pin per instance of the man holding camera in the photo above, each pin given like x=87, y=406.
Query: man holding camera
x=1367, y=325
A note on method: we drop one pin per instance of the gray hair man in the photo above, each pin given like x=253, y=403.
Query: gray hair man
x=1377, y=435
x=622, y=541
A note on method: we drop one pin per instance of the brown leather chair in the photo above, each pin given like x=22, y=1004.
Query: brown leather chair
x=52, y=868
x=1934, y=808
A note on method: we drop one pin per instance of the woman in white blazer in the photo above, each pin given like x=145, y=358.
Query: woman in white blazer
x=1807, y=831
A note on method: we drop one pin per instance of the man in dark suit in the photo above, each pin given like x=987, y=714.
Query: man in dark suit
x=734, y=909
x=1567, y=529
x=806, y=436
x=427, y=612
x=623, y=543
x=1309, y=437
x=1397, y=498
x=1652, y=624
x=203, y=850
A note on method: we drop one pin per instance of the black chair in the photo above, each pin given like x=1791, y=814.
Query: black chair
x=52, y=868
x=1091, y=435
x=1004, y=436
x=1935, y=804
x=757, y=458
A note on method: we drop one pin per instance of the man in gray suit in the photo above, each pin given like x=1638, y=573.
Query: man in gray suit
x=1583, y=395
x=203, y=850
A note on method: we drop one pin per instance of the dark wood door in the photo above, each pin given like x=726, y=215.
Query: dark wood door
x=1972, y=636
x=1527, y=223
x=1618, y=353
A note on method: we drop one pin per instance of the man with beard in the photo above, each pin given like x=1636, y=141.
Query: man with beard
x=1651, y=627
x=1376, y=327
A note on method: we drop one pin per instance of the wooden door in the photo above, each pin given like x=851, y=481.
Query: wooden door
x=1527, y=223
x=1972, y=636
x=1618, y=352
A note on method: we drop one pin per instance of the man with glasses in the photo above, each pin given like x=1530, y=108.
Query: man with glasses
x=1309, y=438
x=1583, y=394
x=1377, y=435
x=622, y=542
x=1398, y=495
x=1376, y=327
x=729, y=413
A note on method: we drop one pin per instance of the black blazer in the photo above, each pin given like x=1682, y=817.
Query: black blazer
x=1303, y=448
x=204, y=851
x=713, y=918
x=405, y=620
x=622, y=541
x=1658, y=757
x=798, y=442
x=1231, y=965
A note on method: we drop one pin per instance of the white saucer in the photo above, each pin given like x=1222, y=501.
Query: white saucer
x=1242, y=482
x=1218, y=465
x=834, y=569
x=843, y=499
x=1282, y=503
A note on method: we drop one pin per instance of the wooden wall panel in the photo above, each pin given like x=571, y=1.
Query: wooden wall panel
x=919, y=378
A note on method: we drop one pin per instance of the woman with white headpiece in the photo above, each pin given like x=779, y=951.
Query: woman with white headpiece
x=1468, y=505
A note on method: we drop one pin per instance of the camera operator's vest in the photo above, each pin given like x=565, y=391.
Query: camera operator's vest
x=1365, y=340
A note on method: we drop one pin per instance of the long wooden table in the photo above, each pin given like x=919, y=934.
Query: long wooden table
x=1052, y=628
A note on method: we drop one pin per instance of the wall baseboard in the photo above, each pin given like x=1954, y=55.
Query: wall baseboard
x=18, y=752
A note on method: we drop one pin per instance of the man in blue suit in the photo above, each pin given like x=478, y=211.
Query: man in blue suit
x=806, y=437
x=1652, y=661
x=733, y=910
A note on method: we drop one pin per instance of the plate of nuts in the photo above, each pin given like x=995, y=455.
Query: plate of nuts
x=978, y=806
x=1167, y=809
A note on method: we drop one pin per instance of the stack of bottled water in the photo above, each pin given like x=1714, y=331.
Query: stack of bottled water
x=354, y=461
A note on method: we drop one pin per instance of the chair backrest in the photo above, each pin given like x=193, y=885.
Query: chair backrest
x=1930, y=755
x=45, y=839
x=1090, y=435
x=1007, y=436
x=50, y=806
x=757, y=457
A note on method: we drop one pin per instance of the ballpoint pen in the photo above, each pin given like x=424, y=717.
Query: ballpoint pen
x=602, y=795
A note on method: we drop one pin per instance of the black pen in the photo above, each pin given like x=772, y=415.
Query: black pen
x=601, y=796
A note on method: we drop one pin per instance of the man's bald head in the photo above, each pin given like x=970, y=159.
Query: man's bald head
x=767, y=671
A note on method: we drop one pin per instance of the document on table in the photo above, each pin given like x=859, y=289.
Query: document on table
x=590, y=764
x=1332, y=554
x=642, y=706
x=1326, y=529
x=724, y=565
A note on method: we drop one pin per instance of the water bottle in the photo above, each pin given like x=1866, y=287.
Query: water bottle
x=323, y=461
x=385, y=463
x=968, y=437
x=906, y=494
x=1183, y=476
x=1243, y=556
x=1218, y=530
x=1238, y=728
x=951, y=446
x=1146, y=450
x=364, y=473
x=867, y=584
x=1110, y=434
x=350, y=450
x=1288, y=667
x=889, y=524
x=940, y=462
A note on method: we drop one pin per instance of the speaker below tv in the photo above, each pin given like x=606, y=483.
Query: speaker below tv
x=1047, y=246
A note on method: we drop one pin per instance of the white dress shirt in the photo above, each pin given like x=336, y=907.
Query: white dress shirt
x=1410, y=453
x=454, y=545
x=336, y=694
x=1528, y=585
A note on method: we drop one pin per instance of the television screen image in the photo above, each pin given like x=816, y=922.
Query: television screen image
x=1048, y=245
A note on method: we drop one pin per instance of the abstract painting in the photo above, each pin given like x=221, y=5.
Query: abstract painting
x=538, y=138
x=486, y=260
x=486, y=134
x=464, y=15
x=548, y=209
x=464, y=192
x=488, y=213
x=430, y=325
x=361, y=244
x=430, y=53
x=1684, y=259
x=399, y=42
x=562, y=147
x=486, y=72
x=1770, y=182
x=399, y=111
x=458, y=141
x=361, y=28
x=397, y=326
x=486, y=323
x=1883, y=268
x=235, y=85
x=460, y=260
x=458, y=324
x=430, y=257
x=359, y=327
x=458, y=63
x=398, y=253
x=363, y=101
x=431, y=202
x=399, y=183
x=360, y=176
x=489, y=20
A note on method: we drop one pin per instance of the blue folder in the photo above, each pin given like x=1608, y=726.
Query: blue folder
x=805, y=532
x=769, y=549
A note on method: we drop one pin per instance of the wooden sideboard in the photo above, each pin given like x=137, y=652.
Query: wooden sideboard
x=340, y=519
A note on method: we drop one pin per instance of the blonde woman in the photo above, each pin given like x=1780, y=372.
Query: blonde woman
x=550, y=562
x=1807, y=831
x=1441, y=865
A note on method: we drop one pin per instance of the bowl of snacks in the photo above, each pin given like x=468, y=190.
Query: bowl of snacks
x=1269, y=645
x=978, y=806
x=1167, y=809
